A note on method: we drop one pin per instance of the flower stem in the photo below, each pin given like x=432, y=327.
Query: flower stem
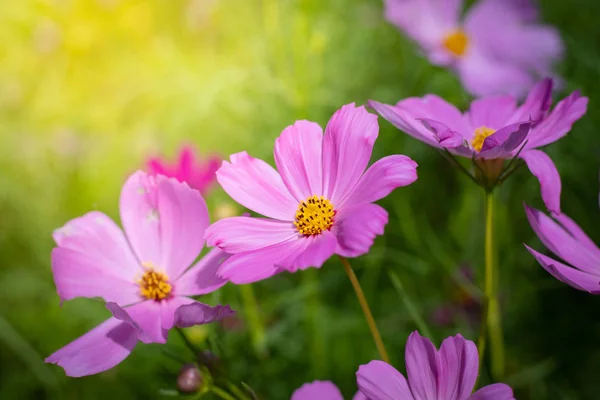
x=221, y=393
x=187, y=341
x=366, y=310
x=491, y=311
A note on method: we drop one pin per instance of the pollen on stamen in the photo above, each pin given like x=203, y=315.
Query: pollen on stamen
x=314, y=216
x=456, y=42
x=481, y=134
x=154, y=285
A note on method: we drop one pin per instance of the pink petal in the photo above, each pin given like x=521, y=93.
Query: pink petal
x=536, y=105
x=562, y=243
x=145, y=317
x=497, y=391
x=359, y=396
x=257, y=186
x=378, y=380
x=505, y=141
x=185, y=167
x=542, y=167
x=422, y=367
x=579, y=280
x=356, y=228
x=99, y=350
x=459, y=364
x=317, y=390
x=156, y=166
x=239, y=234
x=164, y=220
x=93, y=259
x=202, y=278
x=492, y=112
x=310, y=251
x=381, y=178
x=577, y=233
x=445, y=136
x=184, y=312
x=347, y=146
x=298, y=156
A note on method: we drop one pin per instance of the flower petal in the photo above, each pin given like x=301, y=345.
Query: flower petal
x=299, y=159
x=359, y=396
x=542, y=167
x=378, y=380
x=256, y=185
x=145, y=317
x=356, y=228
x=536, y=105
x=310, y=251
x=459, y=362
x=422, y=367
x=99, y=350
x=317, y=390
x=184, y=312
x=202, y=278
x=502, y=143
x=164, y=220
x=347, y=146
x=445, y=136
x=577, y=233
x=93, y=259
x=497, y=391
x=562, y=243
x=240, y=234
x=579, y=280
x=492, y=112
x=385, y=175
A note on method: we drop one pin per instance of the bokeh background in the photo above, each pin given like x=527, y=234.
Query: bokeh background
x=89, y=89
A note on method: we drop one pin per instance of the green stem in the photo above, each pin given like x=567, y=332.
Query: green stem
x=410, y=307
x=187, y=342
x=221, y=393
x=257, y=329
x=366, y=310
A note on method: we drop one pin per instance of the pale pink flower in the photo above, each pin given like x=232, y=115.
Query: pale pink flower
x=322, y=390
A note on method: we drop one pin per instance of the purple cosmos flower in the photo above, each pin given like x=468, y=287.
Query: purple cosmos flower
x=143, y=274
x=567, y=240
x=447, y=374
x=480, y=46
x=322, y=390
x=200, y=175
x=493, y=130
x=318, y=203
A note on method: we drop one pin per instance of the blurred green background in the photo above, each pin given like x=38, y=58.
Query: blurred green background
x=90, y=88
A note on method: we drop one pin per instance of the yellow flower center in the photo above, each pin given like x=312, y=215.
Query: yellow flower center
x=314, y=215
x=154, y=285
x=480, y=134
x=456, y=42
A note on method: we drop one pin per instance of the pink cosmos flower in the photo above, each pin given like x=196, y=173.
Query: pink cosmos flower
x=200, y=175
x=447, y=374
x=143, y=274
x=322, y=390
x=481, y=46
x=318, y=203
x=494, y=130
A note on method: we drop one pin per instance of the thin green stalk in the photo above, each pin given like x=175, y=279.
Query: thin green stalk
x=366, y=310
x=221, y=393
x=257, y=330
x=187, y=342
x=410, y=307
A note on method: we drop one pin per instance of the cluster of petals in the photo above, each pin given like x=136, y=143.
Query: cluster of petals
x=164, y=222
x=494, y=128
x=498, y=46
x=327, y=166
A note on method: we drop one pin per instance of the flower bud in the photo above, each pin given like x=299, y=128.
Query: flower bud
x=189, y=379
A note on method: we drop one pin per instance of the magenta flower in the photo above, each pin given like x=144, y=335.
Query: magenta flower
x=143, y=274
x=320, y=202
x=493, y=130
x=447, y=374
x=480, y=47
x=200, y=175
x=322, y=390
x=567, y=240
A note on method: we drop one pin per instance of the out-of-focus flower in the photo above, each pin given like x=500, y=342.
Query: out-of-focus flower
x=189, y=379
x=494, y=130
x=198, y=174
x=318, y=203
x=447, y=374
x=568, y=242
x=322, y=390
x=462, y=303
x=498, y=47
x=143, y=274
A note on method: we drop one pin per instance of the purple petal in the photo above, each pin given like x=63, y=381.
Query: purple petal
x=311, y=251
x=347, y=146
x=240, y=234
x=145, y=317
x=378, y=380
x=93, y=259
x=562, y=243
x=497, y=391
x=577, y=233
x=202, y=278
x=99, y=350
x=164, y=220
x=359, y=396
x=445, y=136
x=298, y=156
x=257, y=186
x=492, y=112
x=356, y=228
x=504, y=141
x=536, y=105
x=317, y=390
x=459, y=362
x=185, y=312
x=542, y=167
x=579, y=280
x=422, y=367
x=381, y=178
